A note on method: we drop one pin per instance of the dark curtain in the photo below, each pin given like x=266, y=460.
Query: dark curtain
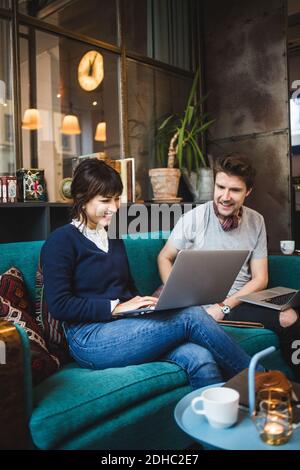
x=169, y=35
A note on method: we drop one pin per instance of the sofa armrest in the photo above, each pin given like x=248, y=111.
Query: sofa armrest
x=284, y=271
x=14, y=404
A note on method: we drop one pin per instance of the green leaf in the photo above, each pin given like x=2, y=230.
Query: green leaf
x=180, y=146
x=204, y=126
x=189, y=114
x=193, y=89
x=165, y=122
x=199, y=152
x=196, y=156
x=189, y=157
x=192, y=123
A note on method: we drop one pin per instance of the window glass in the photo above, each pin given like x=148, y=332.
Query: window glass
x=5, y=3
x=154, y=95
x=160, y=30
x=62, y=77
x=94, y=18
x=7, y=140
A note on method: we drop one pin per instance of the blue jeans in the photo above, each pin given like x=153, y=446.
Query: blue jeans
x=189, y=337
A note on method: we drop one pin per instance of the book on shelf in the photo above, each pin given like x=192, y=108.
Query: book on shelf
x=124, y=166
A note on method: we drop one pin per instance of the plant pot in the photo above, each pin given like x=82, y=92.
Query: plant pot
x=200, y=184
x=165, y=182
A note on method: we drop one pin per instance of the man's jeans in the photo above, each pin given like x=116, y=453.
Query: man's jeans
x=189, y=337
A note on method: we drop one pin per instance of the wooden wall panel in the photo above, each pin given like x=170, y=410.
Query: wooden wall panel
x=246, y=75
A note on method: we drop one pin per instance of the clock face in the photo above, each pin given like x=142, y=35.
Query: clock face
x=90, y=70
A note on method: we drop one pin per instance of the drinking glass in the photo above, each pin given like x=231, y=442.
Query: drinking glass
x=273, y=416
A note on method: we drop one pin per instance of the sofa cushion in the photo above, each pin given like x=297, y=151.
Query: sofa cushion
x=23, y=255
x=253, y=340
x=149, y=425
x=13, y=290
x=142, y=251
x=76, y=399
x=15, y=307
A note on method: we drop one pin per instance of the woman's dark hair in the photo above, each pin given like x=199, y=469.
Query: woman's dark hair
x=93, y=177
x=235, y=164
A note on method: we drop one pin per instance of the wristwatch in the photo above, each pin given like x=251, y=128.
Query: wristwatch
x=224, y=308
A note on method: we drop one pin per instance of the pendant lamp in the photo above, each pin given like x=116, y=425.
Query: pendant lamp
x=100, y=134
x=31, y=119
x=70, y=125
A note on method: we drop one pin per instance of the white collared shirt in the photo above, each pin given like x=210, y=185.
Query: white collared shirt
x=97, y=235
x=100, y=238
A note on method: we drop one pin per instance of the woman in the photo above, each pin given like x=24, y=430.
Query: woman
x=88, y=284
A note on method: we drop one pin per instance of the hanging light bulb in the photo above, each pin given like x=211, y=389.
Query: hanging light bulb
x=100, y=134
x=31, y=119
x=70, y=125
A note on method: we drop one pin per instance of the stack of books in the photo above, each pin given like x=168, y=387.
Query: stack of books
x=124, y=166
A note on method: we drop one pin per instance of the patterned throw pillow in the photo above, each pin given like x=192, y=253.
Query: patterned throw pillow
x=15, y=307
x=51, y=328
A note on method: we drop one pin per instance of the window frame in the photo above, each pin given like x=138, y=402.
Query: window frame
x=17, y=19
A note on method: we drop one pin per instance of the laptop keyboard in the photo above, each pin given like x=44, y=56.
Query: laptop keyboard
x=280, y=299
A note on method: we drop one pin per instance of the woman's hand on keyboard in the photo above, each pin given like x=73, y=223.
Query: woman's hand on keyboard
x=135, y=303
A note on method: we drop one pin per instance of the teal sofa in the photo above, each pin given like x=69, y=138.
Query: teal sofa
x=122, y=408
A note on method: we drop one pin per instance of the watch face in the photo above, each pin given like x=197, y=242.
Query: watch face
x=90, y=70
x=226, y=309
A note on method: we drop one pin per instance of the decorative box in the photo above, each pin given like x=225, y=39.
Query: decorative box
x=8, y=189
x=31, y=185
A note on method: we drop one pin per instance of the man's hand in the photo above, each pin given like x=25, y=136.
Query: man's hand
x=288, y=317
x=134, y=304
x=215, y=312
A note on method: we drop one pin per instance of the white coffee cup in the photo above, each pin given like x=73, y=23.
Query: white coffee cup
x=220, y=405
x=287, y=247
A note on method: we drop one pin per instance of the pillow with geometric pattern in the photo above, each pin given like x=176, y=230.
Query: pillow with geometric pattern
x=15, y=307
x=51, y=328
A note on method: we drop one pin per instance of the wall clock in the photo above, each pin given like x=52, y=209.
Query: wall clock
x=90, y=70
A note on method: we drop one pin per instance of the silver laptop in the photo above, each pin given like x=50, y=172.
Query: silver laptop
x=197, y=278
x=278, y=298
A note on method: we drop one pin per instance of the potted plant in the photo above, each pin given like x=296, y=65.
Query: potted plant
x=178, y=137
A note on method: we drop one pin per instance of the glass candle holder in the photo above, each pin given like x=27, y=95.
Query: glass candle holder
x=273, y=417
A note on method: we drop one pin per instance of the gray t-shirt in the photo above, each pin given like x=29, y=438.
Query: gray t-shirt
x=200, y=229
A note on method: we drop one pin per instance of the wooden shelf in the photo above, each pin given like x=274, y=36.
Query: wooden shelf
x=28, y=221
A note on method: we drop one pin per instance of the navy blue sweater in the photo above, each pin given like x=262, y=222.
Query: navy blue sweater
x=80, y=279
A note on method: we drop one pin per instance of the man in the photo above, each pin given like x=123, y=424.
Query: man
x=225, y=223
